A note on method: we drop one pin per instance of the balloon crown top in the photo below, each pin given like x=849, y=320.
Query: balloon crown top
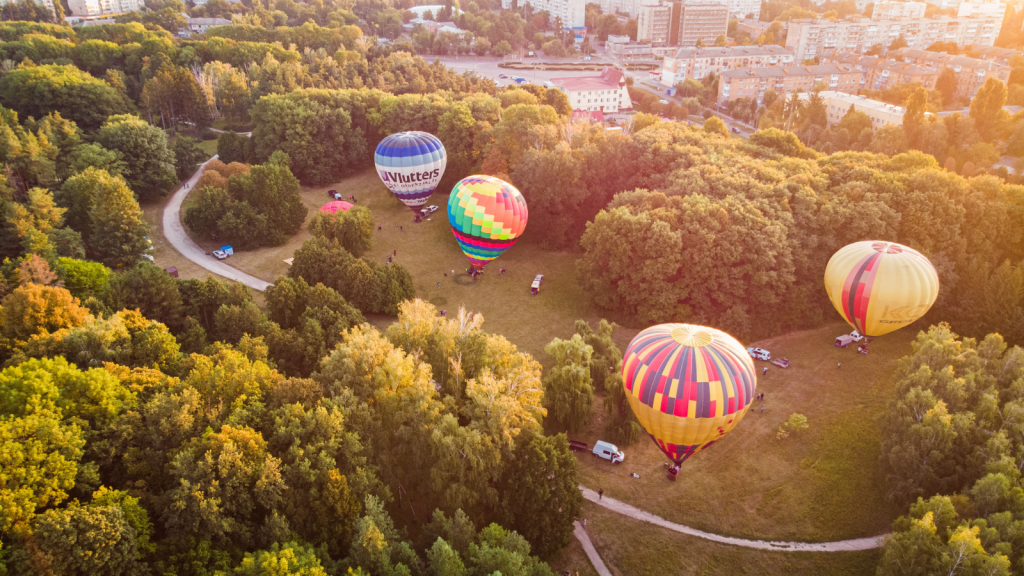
x=887, y=247
x=693, y=336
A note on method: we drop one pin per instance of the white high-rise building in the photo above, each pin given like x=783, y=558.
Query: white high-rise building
x=889, y=10
x=99, y=7
x=981, y=9
x=572, y=12
x=629, y=7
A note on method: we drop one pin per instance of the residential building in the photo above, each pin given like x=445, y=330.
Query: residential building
x=754, y=82
x=696, y=63
x=943, y=4
x=103, y=7
x=655, y=22
x=737, y=8
x=605, y=93
x=571, y=12
x=201, y=25
x=622, y=47
x=1000, y=55
x=432, y=26
x=812, y=38
x=629, y=7
x=971, y=73
x=837, y=105
x=46, y=3
x=981, y=9
x=890, y=10
x=703, y=22
x=883, y=73
x=754, y=28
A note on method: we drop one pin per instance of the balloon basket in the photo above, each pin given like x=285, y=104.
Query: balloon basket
x=672, y=473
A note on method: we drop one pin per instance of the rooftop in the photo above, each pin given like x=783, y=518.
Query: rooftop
x=731, y=51
x=786, y=71
x=609, y=79
x=855, y=60
x=948, y=59
x=858, y=102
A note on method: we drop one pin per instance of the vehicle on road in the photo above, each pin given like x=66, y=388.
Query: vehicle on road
x=608, y=451
x=502, y=75
x=735, y=130
x=663, y=101
x=759, y=354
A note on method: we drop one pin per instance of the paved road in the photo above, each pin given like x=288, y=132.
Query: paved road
x=588, y=547
x=175, y=234
x=633, y=512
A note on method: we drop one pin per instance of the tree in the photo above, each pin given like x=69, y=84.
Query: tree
x=443, y=559
x=233, y=147
x=898, y=43
x=368, y=286
x=78, y=194
x=947, y=85
x=990, y=120
x=568, y=388
x=377, y=547
x=149, y=289
x=149, y=164
x=273, y=193
x=101, y=541
x=32, y=309
x=38, y=90
x=288, y=559
x=914, y=117
x=83, y=279
x=714, y=125
x=187, y=155
x=541, y=497
x=118, y=231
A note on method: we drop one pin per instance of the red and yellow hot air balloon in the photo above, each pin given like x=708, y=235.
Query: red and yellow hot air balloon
x=879, y=286
x=688, y=385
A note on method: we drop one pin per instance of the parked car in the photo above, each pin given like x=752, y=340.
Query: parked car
x=502, y=75
x=856, y=336
x=735, y=130
x=608, y=451
x=759, y=354
x=427, y=210
x=223, y=252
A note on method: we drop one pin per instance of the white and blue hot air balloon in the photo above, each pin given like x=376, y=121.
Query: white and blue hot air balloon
x=411, y=164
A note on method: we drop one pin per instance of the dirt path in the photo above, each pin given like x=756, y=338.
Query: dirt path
x=174, y=231
x=588, y=547
x=633, y=512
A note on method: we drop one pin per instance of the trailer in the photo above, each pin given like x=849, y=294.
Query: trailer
x=781, y=362
x=577, y=446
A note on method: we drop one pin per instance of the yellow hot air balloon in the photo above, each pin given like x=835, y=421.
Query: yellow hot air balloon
x=688, y=386
x=879, y=286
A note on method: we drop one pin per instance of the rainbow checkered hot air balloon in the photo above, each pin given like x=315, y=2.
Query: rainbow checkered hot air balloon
x=688, y=385
x=879, y=287
x=411, y=164
x=487, y=216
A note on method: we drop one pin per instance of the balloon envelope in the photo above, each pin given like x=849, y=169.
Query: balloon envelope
x=688, y=385
x=411, y=164
x=487, y=216
x=336, y=206
x=879, y=287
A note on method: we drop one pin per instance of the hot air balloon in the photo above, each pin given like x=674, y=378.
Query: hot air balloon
x=336, y=206
x=411, y=164
x=487, y=216
x=879, y=287
x=688, y=386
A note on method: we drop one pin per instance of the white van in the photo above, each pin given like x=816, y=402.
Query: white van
x=608, y=451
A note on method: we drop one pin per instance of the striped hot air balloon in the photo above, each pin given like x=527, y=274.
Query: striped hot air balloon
x=487, y=216
x=411, y=164
x=688, y=385
x=879, y=286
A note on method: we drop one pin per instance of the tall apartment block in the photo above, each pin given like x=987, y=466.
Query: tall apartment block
x=889, y=10
x=100, y=7
x=812, y=38
x=572, y=12
x=46, y=3
x=681, y=24
x=630, y=7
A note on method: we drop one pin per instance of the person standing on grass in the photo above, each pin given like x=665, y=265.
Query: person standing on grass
x=765, y=373
x=839, y=365
x=600, y=493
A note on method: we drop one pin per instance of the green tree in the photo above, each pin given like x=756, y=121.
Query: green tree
x=83, y=279
x=78, y=194
x=568, y=387
x=272, y=192
x=714, y=125
x=88, y=540
x=443, y=560
x=38, y=90
x=288, y=559
x=540, y=489
x=32, y=309
x=187, y=155
x=914, y=117
x=118, y=234
x=947, y=86
x=149, y=163
x=377, y=547
x=990, y=120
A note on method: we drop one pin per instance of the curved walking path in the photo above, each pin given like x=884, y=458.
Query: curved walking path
x=634, y=512
x=174, y=231
x=588, y=547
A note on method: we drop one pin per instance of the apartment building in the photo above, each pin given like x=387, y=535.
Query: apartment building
x=883, y=73
x=630, y=7
x=737, y=8
x=981, y=9
x=754, y=82
x=837, y=105
x=696, y=63
x=812, y=38
x=971, y=73
x=46, y=3
x=605, y=93
x=1000, y=55
x=572, y=12
x=754, y=28
x=681, y=24
x=889, y=10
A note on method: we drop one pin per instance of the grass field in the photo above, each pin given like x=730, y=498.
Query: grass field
x=633, y=548
x=820, y=484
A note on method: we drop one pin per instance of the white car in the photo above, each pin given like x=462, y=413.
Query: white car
x=219, y=254
x=759, y=354
x=857, y=336
x=428, y=210
x=608, y=451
